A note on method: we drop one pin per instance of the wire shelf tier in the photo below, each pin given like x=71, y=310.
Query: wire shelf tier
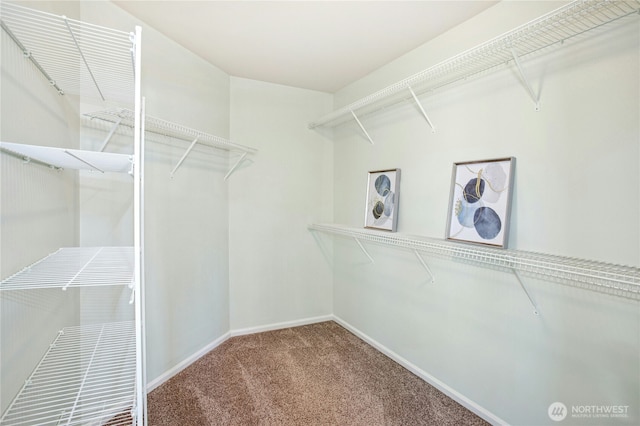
x=75, y=159
x=86, y=377
x=76, y=57
x=124, y=117
x=76, y=267
x=551, y=29
x=618, y=280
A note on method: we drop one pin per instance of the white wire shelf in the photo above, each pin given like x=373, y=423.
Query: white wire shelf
x=76, y=267
x=551, y=29
x=124, y=117
x=86, y=377
x=618, y=280
x=74, y=56
x=75, y=159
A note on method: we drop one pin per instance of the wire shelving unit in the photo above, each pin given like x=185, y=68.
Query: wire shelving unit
x=617, y=280
x=552, y=29
x=124, y=117
x=92, y=374
x=86, y=377
x=74, y=56
x=76, y=267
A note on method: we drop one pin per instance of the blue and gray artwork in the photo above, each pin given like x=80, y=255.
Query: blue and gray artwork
x=383, y=202
x=474, y=198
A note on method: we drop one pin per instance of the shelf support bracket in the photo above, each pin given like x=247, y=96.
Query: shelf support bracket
x=536, y=99
x=361, y=127
x=110, y=135
x=424, y=265
x=235, y=166
x=424, y=114
x=535, y=308
x=83, y=161
x=86, y=64
x=27, y=54
x=364, y=250
x=173, y=172
x=132, y=298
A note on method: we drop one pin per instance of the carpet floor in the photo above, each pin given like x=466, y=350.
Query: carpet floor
x=319, y=374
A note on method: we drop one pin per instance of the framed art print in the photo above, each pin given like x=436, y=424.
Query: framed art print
x=381, y=211
x=480, y=201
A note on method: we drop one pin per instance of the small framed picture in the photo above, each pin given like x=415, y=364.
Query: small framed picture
x=381, y=211
x=480, y=201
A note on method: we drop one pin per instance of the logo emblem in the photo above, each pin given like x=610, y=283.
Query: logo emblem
x=557, y=411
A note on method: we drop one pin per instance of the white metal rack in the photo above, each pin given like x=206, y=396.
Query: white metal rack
x=75, y=57
x=87, y=376
x=618, y=280
x=123, y=117
x=554, y=28
x=90, y=374
x=76, y=267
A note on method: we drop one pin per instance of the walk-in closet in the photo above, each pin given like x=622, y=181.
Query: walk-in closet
x=450, y=235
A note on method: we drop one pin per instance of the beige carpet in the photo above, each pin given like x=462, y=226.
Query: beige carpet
x=318, y=374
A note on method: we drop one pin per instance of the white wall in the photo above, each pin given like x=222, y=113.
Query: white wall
x=577, y=193
x=276, y=272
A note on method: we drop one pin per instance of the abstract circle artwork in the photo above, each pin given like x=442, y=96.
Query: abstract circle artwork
x=480, y=201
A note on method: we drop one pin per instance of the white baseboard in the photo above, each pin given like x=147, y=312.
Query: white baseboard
x=220, y=340
x=186, y=362
x=281, y=325
x=451, y=393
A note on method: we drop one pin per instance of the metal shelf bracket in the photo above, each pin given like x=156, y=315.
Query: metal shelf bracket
x=364, y=250
x=173, y=172
x=235, y=166
x=536, y=98
x=83, y=161
x=110, y=135
x=535, y=308
x=424, y=114
x=425, y=266
x=75, y=41
x=361, y=127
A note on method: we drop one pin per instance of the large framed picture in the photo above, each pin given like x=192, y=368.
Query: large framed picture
x=381, y=211
x=480, y=201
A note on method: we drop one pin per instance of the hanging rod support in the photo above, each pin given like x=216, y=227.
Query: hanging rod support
x=29, y=56
x=424, y=265
x=361, y=127
x=110, y=135
x=86, y=64
x=535, y=308
x=364, y=250
x=184, y=156
x=232, y=169
x=132, y=298
x=424, y=114
x=536, y=99
x=84, y=161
